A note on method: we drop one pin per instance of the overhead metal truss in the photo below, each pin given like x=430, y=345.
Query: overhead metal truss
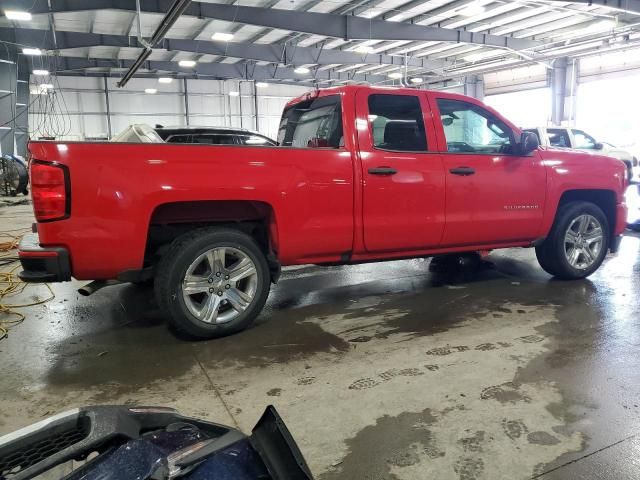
x=245, y=71
x=348, y=27
x=273, y=53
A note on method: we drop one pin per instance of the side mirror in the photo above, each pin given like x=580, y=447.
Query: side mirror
x=528, y=143
x=598, y=146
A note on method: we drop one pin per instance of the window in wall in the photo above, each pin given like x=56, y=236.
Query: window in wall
x=558, y=137
x=313, y=124
x=528, y=108
x=469, y=128
x=396, y=123
x=607, y=109
x=583, y=141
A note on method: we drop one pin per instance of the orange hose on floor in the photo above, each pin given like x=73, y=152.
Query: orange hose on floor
x=11, y=285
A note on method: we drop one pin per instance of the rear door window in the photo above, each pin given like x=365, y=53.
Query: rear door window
x=397, y=123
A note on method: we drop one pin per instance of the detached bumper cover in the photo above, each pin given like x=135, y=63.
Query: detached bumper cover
x=43, y=264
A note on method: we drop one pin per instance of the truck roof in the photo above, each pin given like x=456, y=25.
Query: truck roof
x=321, y=92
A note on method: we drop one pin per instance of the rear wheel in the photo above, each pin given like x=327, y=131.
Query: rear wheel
x=578, y=241
x=212, y=282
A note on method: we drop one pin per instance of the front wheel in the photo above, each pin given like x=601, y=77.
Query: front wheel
x=212, y=282
x=578, y=242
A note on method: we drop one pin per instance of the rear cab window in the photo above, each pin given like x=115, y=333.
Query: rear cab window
x=315, y=123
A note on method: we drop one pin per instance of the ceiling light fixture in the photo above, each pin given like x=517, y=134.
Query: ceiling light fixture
x=165, y=80
x=151, y=90
x=262, y=84
x=601, y=26
x=395, y=75
x=301, y=70
x=17, y=15
x=32, y=51
x=187, y=63
x=416, y=80
x=222, y=36
x=40, y=72
x=364, y=49
x=473, y=10
x=234, y=94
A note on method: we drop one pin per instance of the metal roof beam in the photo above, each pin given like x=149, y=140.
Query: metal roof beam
x=224, y=71
x=347, y=27
x=273, y=53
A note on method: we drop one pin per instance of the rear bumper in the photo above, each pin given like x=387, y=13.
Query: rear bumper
x=43, y=264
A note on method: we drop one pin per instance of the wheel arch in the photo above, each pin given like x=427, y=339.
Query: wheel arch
x=170, y=220
x=605, y=199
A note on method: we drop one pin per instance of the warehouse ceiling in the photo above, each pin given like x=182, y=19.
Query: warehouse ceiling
x=322, y=42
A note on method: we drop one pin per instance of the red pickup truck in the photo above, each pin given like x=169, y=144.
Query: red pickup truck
x=360, y=174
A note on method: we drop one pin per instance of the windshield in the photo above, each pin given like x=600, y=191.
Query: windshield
x=312, y=124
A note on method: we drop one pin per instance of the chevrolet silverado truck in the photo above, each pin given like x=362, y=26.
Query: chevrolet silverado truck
x=563, y=137
x=361, y=174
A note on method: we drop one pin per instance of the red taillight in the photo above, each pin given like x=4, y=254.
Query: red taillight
x=49, y=191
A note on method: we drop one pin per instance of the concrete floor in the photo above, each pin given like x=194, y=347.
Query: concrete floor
x=381, y=371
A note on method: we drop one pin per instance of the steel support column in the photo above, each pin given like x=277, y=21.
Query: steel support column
x=563, y=80
x=22, y=106
x=474, y=86
x=108, y=105
x=8, y=99
x=186, y=101
x=255, y=105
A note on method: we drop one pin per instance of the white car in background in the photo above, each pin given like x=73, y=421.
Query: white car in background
x=563, y=137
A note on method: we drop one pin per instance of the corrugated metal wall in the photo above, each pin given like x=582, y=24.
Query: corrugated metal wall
x=81, y=109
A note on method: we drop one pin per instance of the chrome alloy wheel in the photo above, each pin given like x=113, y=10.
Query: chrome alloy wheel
x=219, y=285
x=583, y=241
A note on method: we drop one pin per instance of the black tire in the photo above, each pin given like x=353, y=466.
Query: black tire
x=551, y=253
x=173, y=267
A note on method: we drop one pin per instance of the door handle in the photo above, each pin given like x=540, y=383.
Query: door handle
x=383, y=171
x=463, y=171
